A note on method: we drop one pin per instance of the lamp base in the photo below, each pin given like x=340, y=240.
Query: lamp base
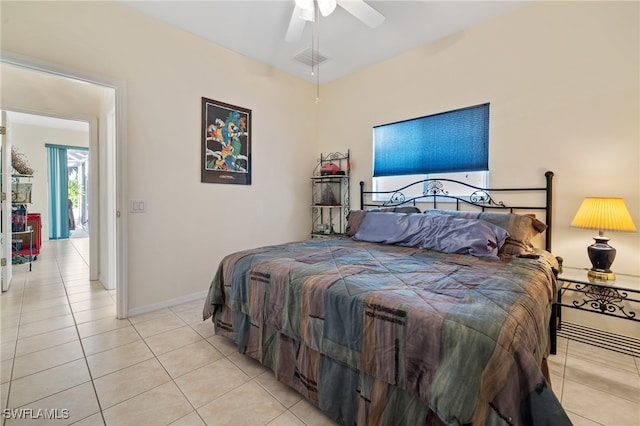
x=601, y=255
x=595, y=276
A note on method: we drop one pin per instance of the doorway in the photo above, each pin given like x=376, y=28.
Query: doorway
x=68, y=190
x=106, y=186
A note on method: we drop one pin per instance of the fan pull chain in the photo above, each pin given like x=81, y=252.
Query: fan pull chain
x=315, y=53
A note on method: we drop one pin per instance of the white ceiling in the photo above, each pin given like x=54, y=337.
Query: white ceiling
x=46, y=121
x=257, y=29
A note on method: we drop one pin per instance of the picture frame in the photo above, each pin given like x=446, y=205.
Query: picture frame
x=226, y=143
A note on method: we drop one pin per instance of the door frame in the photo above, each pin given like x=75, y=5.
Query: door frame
x=6, y=237
x=120, y=160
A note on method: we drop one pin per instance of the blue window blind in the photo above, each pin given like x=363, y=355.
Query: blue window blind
x=453, y=141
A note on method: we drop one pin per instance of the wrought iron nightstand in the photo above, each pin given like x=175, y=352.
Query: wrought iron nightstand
x=619, y=298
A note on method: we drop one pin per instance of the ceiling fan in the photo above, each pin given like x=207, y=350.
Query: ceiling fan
x=304, y=11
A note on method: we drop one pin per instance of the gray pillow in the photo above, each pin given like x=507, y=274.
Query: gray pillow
x=444, y=233
x=354, y=218
x=522, y=228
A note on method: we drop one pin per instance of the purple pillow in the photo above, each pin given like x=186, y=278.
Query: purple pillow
x=444, y=233
x=522, y=228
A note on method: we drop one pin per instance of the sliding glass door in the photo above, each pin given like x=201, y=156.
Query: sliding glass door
x=58, y=192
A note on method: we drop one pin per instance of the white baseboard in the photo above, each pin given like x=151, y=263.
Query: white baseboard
x=168, y=303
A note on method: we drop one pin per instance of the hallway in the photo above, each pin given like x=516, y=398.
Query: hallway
x=63, y=350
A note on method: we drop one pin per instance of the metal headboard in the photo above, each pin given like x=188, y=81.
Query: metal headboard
x=481, y=198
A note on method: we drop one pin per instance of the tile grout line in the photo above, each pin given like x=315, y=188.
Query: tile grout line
x=84, y=354
x=15, y=348
x=564, y=369
x=20, y=316
x=172, y=380
x=253, y=379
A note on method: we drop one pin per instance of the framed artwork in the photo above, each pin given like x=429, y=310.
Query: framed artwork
x=226, y=143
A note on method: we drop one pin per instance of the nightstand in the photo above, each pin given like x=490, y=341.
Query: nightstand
x=619, y=298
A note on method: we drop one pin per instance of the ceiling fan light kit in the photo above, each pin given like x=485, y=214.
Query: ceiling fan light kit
x=304, y=11
x=326, y=7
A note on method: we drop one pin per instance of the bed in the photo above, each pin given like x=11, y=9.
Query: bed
x=391, y=325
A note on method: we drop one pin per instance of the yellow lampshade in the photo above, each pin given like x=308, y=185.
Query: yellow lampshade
x=604, y=214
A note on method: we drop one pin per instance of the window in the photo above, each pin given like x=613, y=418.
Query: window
x=453, y=145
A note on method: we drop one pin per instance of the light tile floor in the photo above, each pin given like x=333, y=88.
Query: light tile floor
x=63, y=351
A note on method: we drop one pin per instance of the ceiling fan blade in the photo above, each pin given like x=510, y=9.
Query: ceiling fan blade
x=296, y=25
x=362, y=11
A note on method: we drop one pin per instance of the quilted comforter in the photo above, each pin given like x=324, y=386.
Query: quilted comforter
x=390, y=335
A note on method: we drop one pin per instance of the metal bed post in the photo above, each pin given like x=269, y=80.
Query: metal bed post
x=548, y=218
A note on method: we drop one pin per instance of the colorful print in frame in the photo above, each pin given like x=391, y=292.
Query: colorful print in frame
x=226, y=143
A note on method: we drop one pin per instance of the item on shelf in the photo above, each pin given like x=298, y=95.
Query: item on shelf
x=35, y=224
x=19, y=259
x=25, y=227
x=328, y=198
x=329, y=169
x=322, y=228
x=19, y=218
x=20, y=192
x=19, y=162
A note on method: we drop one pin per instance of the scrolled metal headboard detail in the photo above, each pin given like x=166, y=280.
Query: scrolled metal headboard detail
x=437, y=191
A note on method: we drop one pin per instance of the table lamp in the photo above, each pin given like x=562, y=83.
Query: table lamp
x=603, y=214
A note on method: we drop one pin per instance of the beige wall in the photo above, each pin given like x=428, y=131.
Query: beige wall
x=562, y=79
x=563, y=82
x=174, y=247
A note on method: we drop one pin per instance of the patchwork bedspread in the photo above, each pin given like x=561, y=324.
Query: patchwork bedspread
x=383, y=334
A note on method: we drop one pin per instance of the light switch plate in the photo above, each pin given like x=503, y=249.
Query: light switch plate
x=137, y=206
